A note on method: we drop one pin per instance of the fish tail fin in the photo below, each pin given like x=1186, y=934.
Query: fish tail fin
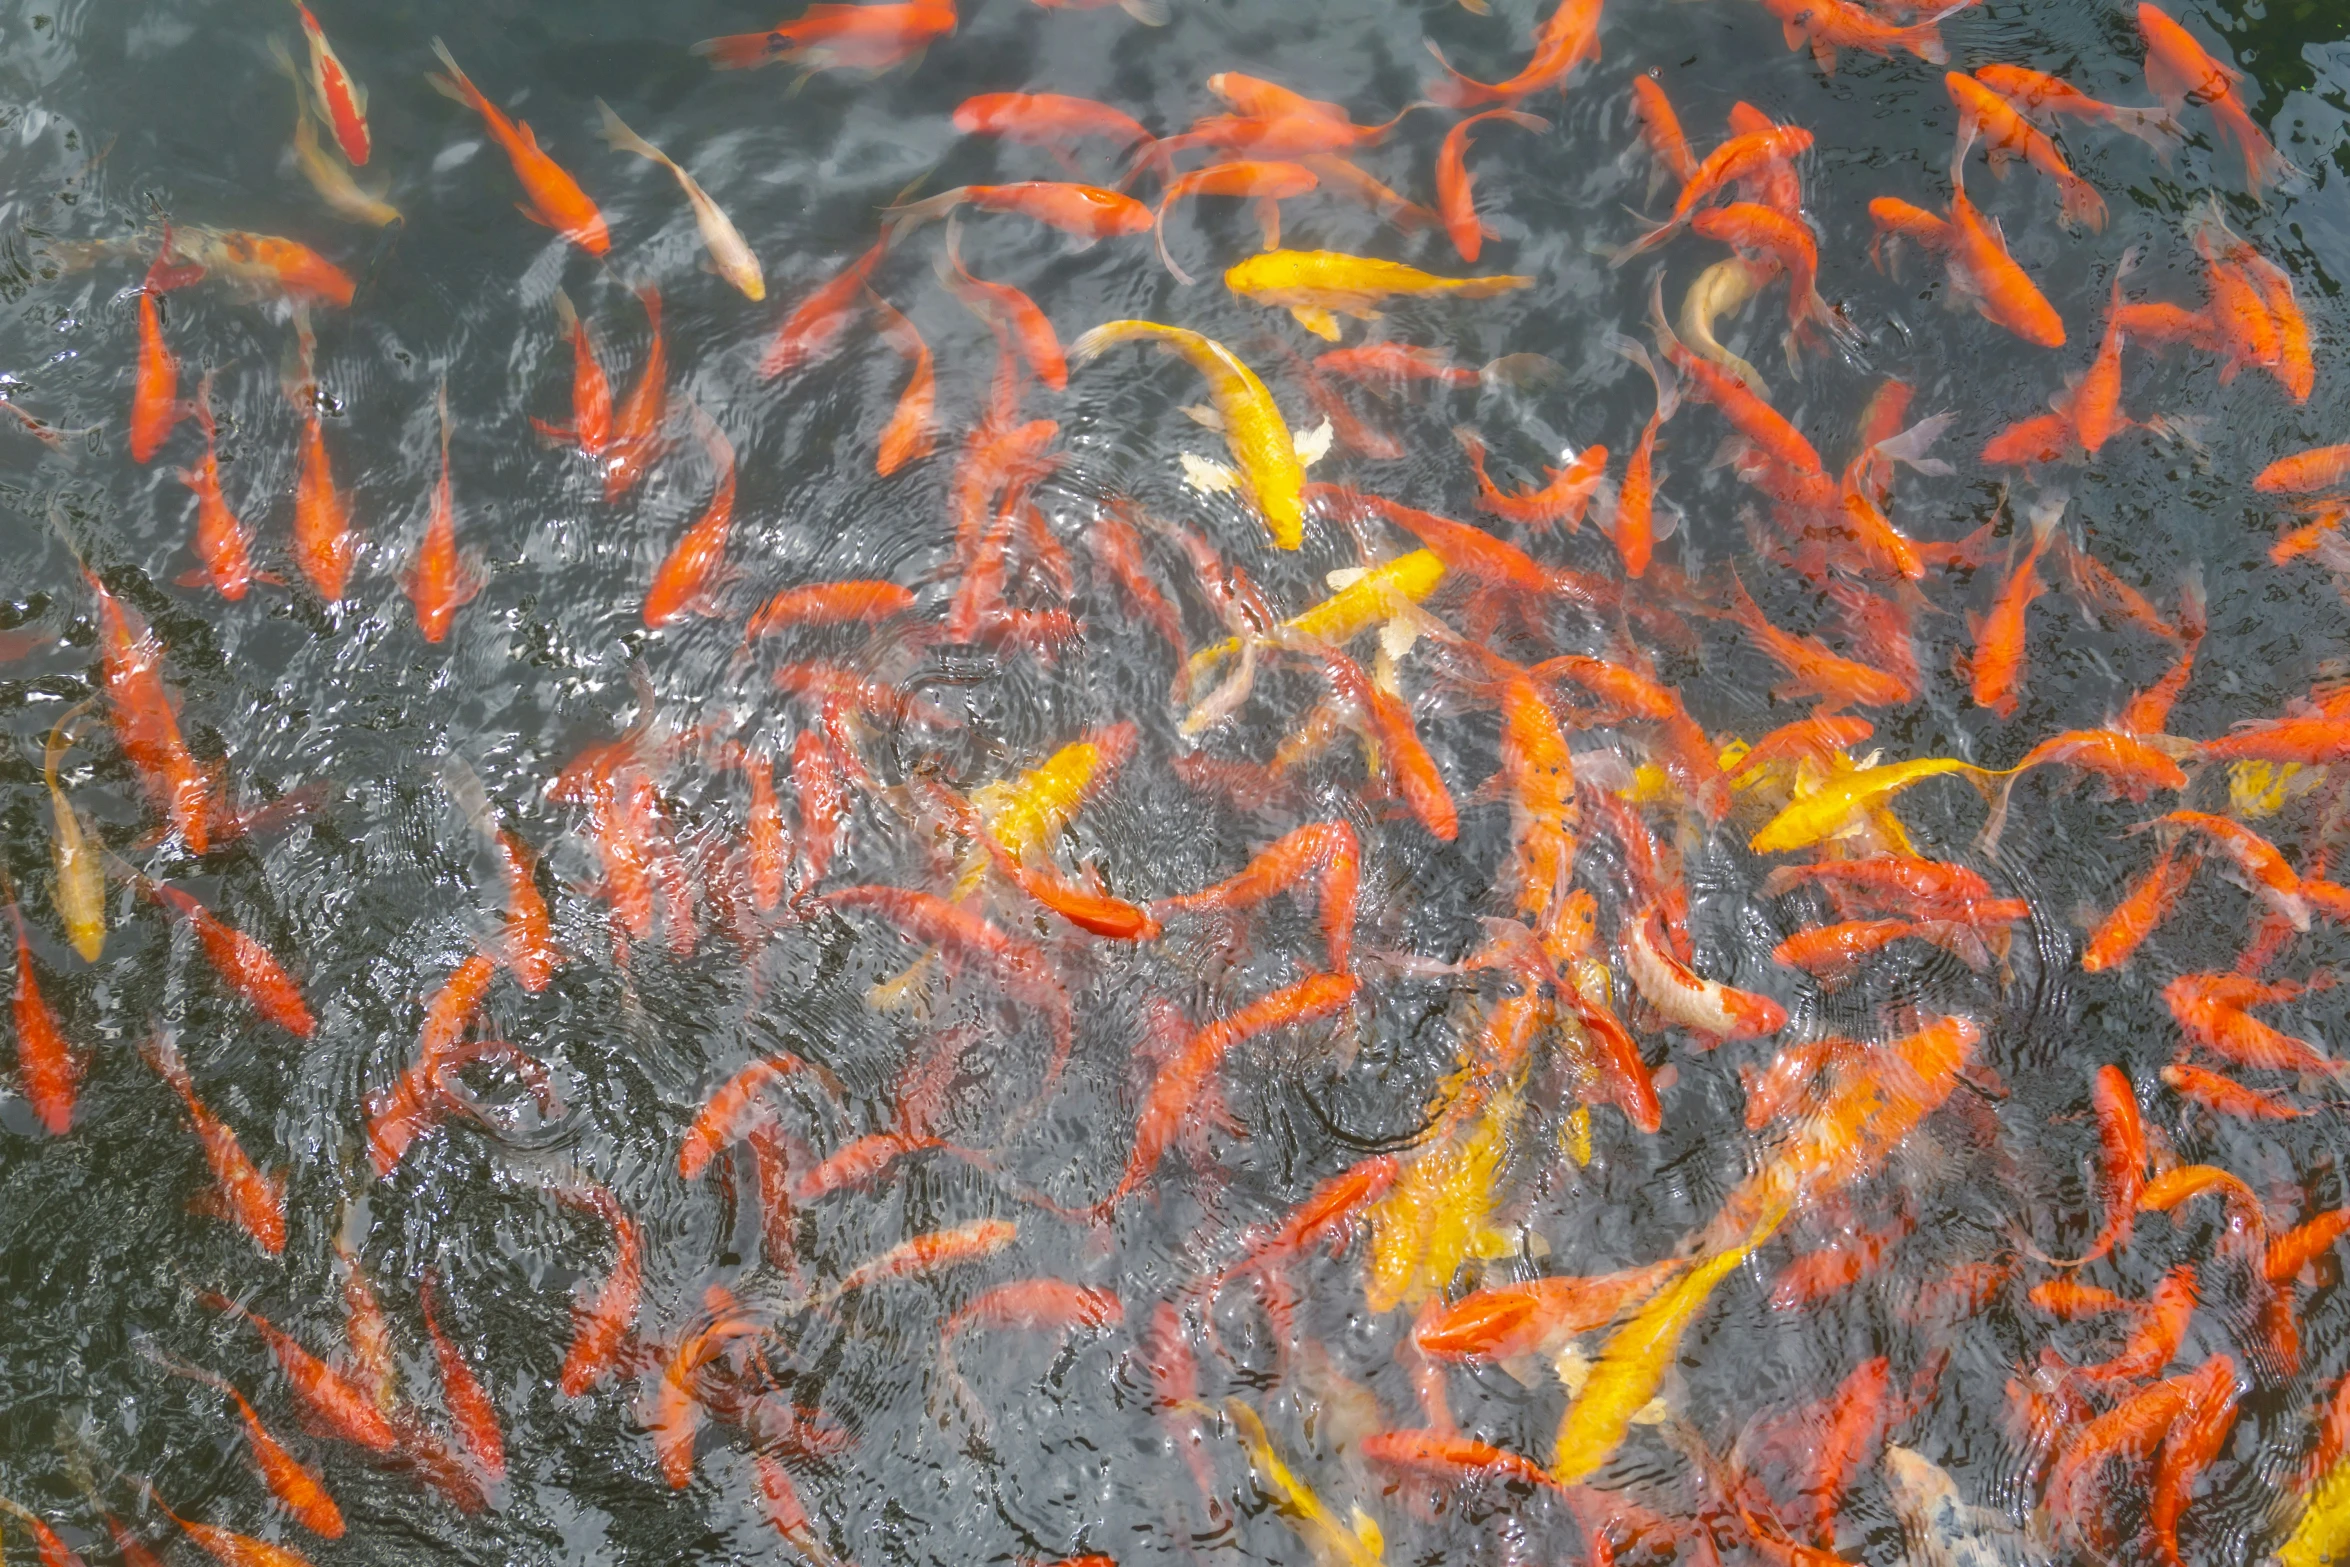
x=1150, y=13
x=1925, y=41
x=1655, y=236
x=907, y=216
x=746, y=51
x=1159, y=238
x=1455, y=91
x=1090, y=344
x=618, y=136
x=1520, y=371
x=566, y=313
x=2153, y=126
x=456, y=85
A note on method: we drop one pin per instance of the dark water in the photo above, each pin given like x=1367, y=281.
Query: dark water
x=121, y=117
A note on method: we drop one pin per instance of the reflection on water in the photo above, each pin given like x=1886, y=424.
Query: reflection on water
x=766, y=914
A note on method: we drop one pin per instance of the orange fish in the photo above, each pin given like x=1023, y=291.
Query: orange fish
x=2320, y=468
x=1325, y=853
x=146, y=716
x=2210, y=1011
x=1505, y=1321
x=2180, y=71
x=1984, y=113
x=2271, y=877
x=1996, y=666
x=828, y=37
x=1087, y=213
x=816, y=325
x=2197, y=1434
x=830, y=604
x=1829, y=25
x=1562, y=498
x=591, y=393
x=254, y=1202
x=555, y=197
x=230, y=1548
x=696, y=564
x=1632, y=527
x=339, y=1406
x=155, y=387
x=1267, y=183
x=50, y=1071
x=248, y=967
x=2225, y=1096
x=911, y=433
x=2134, y=919
x=1705, y=1007
x=324, y=545
x=221, y=542
x=1404, y=755
x=1011, y=313
x=1567, y=38
x=342, y=102
x=599, y=1325
x=470, y=1407
x=927, y=1253
x=1456, y=197
x=1049, y=120
x=636, y=429
x=1660, y=127
x=1813, y=668
x=2038, y=93
x=530, y=942
x=440, y=582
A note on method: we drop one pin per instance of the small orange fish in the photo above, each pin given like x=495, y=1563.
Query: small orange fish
x=555, y=197
x=1325, y=853
x=2003, y=292
x=1753, y=154
x=816, y=325
x=1456, y=197
x=291, y=1481
x=1267, y=183
x=2225, y=1096
x=440, y=582
x=591, y=393
x=155, y=387
x=1632, y=527
x=1562, y=498
x=340, y=1407
x=342, y=102
x=1087, y=213
x=1814, y=668
x=1049, y=120
x=324, y=545
x=1015, y=317
x=636, y=429
x=470, y=1407
x=911, y=433
x=1829, y=25
x=730, y=1112
x=247, y=967
x=2271, y=876
x=2135, y=918
x=1996, y=667
x=2009, y=135
x=254, y=1202
x=230, y=1548
x=1567, y=38
x=1705, y=1007
x=696, y=564
x=1504, y=1321
x=600, y=1325
x=50, y=1071
x=221, y=542
x=1660, y=127
x=829, y=37
x=830, y=604
x=146, y=717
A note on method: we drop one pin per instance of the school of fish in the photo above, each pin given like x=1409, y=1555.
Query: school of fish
x=1087, y=1028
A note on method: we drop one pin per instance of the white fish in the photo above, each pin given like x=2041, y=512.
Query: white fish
x=735, y=262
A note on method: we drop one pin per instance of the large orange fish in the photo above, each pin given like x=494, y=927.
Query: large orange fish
x=1566, y=39
x=2181, y=71
x=254, y=1202
x=146, y=717
x=440, y=581
x=555, y=197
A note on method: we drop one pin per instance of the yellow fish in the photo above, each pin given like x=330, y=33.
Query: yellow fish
x=1333, y=1542
x=1632, y=1367
x=81, y=880
x=1439, y=1213
x=1271, y=467
x=1364, y=599
x=1318, y=286
x=1824, y=814
x=2258, y=789
x=1024, y=813
x=2322, y=1538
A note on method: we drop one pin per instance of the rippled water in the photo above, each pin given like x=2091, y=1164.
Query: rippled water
x=373, y=889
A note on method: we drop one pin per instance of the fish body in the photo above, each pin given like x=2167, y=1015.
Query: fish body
x=555, y=197
x=254, y=1201
x=48, y=1069
x=637, y=438
x=1567, y=38
x=325, y=546
x=2180, y=71
x=728, y=252
x=1986, y=115
x=1456, y=198
x=1316, y=284
x=696, y=563
x=440, y=581
x=79, y=891
x=220, y=539
x=341, y=100
x=146, y=717
x=833, y=37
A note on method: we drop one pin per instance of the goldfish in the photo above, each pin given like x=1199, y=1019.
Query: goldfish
x=146, y=716
x=342, y=101
x=47, y=1067
x=733, y=258
x=1347, y=1542
x=2052, y=97
x=911, y=433
x=295, y=1484
x=636, y=439
x=1981, y=269
x=1812, y=668
x=1014, y=316
x=1829, y=25
x=2271, y=877
x=469, y=1405
x=1817, y=817
x=1562, y=498
x=1681, y=996
x=1086, y=213
x=1632, y=527
x=1986, y=114
x=1723, y=289
x=813, y=330
x=2210, y=1011
x=338, y=1405
x=259, y=264
x=2225, y=1096
x=2148, y=903
x=2180, y=71
x=830, y=604
x=1742, y=157
x=1502, y=1322
x=255, y=1202
x=79, y=889
x=248, y=967
x=325, y=547
x=601, y=1321
x=1341, y=178
x=1455, y=189
x=555, y=197
x=1566, y=39
x=228, y=1546
x=1318, y=286
x=1050, y=120
x=1660, y=128
x=328, y=174
x=1271, y=469
x=591, y=391
x=696, y=563
x=2319, y=468
x=1266, y=182
x=830, y=37
x=1997, y=664
x=220, y=539
x=155, y=389
x=439, y=580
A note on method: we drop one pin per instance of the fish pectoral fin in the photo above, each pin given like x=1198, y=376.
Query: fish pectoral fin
x=1366, y=1529
x=1207, y=475
x=1653, y=1413
x=1314, y=445
x=1317, y=320
x=1204, y=416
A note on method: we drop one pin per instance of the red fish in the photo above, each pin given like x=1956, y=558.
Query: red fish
x=728, y=1115
x=830, y=604
x=696, y=564
x=1996, y=667
x=244, y=964
x=555, y=197
x=829, y=37
x=1632, y=527
x=636, y=429
x=1325, y=853
x=470, y=1407
x=1706, y=1007
x=342, y=102
x=221, y=542
x=254, y=1202
x=1505, y=1321
x=440, y=581
x=816, y=325
x=1456, y=197
x=146, y=717
x=50, y=1071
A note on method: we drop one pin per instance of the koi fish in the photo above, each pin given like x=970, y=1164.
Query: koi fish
x=1503, y=1322
x=601, y=1322
x=1271, y=471
x=2180, y=71
x=829, y=37
x=911, y=432
x=816, y=325
x=1049, y=120
x=248, y=967
x=470, y=1407
x=260, y=264
x=697, y=561
x=324, y=545
x=49, y=1069
x=254, y=1202
x=636, y=439
x=728, y=252
x=1997, y=664
x=226, y=1545
x=1813, y=668
x=155, y=386
x=329, y=176
x=1086, y=213
x=1566, y=39
x=1563, y=496
x=1751, y=228
x=339, y=1406
x=1318, y=286
x=341, y=100
x=1267, y=183
x=1011, y=313
x=1351, y=1542
x=1826, y=26
x=146, y=718
x=2136, y=917
x=1817, y=817
x=440, y=582
x=1660, y=128
x=2052, y=97
x=1705, y=1007
x=1981, y=269
x=220, y=539
x=1742, y=157
x=1456, y=196
x=79, y=890
x=555, y=197
x=1325, y=853
x=295, y=1484
x=2271, y=877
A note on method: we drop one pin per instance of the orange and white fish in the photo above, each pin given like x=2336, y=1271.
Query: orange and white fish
x=342, y=102
x=555, y=197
